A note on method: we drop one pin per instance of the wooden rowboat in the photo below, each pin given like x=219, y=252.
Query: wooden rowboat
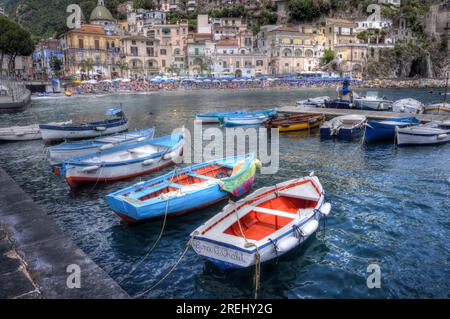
x=124, y=161
x=270, y=222
x=296, y=122
x=185, y=190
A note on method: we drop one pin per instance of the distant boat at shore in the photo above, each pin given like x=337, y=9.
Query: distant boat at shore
x=117, y=122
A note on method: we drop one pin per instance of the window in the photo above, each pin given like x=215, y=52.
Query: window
x=163, y=51
x=149, y=43
x=224, y=64
x=238, y=64
x=133, y=42
x=81, y=43
x=163, y=62
x=197, y=51
x=259, y=63
x=150, y=52
x=134, y=51
x=97, y=44
x=248, y=64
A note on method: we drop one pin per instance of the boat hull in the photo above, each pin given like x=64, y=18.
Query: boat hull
x=232, y=238
x=299, y=127
x=76, y=175
x=57, y=134
x=379, y=131
x=375, y=105
x=29, y=136
x=405, y=138
x=346, y=134
x=181, y=191
x=226, y=256
x=243, y=122
x=59, y=153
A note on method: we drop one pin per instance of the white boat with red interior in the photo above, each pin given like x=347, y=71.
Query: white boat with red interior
x=266, y=224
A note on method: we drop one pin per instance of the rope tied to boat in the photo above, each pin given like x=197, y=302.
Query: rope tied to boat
x=275, y=248
x=155, y=244
x=188, y=245
x=257, y=276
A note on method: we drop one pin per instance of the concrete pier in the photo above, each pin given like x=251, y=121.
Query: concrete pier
x=35, y=254
x=375, y=115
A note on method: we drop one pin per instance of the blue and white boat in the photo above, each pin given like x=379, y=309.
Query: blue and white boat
x=385, y=130
x=343, y=127
x=263, y=226
x=64, y=151
x=213, y=118
x=432, y=133
x=117, y=123
x=253, y=118
x=124, y=161
x=185, y=190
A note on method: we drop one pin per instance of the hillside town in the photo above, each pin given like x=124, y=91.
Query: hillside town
x=145, y=44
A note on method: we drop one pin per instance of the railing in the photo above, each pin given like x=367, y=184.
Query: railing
x=12, y=89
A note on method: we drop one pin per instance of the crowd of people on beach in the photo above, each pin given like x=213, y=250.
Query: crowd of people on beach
x=105, y=87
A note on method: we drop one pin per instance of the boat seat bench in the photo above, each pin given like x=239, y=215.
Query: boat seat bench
x=148, y=190
x=202, y=176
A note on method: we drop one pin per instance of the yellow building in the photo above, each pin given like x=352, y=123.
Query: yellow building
x=92, y=49
x=292, y=49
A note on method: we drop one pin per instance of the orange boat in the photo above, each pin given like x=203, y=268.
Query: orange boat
x=296, y=122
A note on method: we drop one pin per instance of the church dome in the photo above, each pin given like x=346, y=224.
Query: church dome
x=101, y=13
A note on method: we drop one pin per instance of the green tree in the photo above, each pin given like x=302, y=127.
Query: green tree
x=173, y=69
x=307, y=10
x=122, y=65
x=144, y=4
x=87, y=65
x=55, y=65
x=14, y=41
x=328, y=56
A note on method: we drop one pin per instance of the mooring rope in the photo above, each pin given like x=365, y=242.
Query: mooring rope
x=257, y=276
x=157, y=240
x=188, y=245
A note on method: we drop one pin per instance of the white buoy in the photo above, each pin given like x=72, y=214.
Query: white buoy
x=310, y=228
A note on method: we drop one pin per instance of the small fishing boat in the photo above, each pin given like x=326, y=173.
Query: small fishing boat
x=408, y=105
x=124, y=161
x=437, y=109
x=117, y=122
x=372, y=102
x=314, y=102
x=64, y=151
x=254, y=118
x=339, y=104
x=24, y=133
x=432, y=133
x=213, y=118
x=385, y=130
x=296, y=122
x=263, y=226
x=345, y=127
x=185, y=190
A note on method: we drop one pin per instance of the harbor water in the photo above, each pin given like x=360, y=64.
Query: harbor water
x=390, y=206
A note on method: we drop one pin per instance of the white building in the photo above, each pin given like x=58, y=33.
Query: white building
x=392, y=2
x=373, y=24
x=140, y=21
